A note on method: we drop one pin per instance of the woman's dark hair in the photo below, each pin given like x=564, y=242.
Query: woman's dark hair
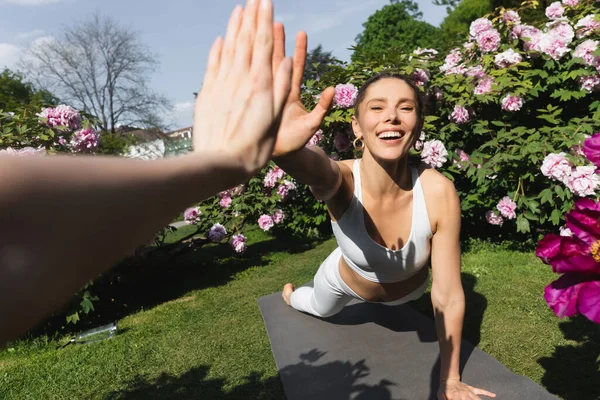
x=362, y=92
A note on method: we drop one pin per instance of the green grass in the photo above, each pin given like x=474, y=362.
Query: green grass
x=190, y=327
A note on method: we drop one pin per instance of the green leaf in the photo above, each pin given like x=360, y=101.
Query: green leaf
x=555, y=216
x=546, y=196
x=522, y=224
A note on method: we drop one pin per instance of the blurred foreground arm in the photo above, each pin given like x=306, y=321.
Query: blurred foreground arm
x=63, y=220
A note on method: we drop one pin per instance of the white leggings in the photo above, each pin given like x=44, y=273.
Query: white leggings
x=329, y=293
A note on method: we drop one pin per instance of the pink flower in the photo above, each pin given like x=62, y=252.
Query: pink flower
x=316, y=138
x=562, y=29
x=577, y=257
x=451, y=60
x=192, y=215
x=511, y=17
x=587, y=25
x=570, y=3
x=285, y=189
x=61, y=115
x=590, y=83
x=341, y=142
x=507, y=58
x=531, y=37
x=462, y=158
x=278, y=216
x=489, y=40
x=484, y=86
x=493, y=218
x=345, y=95
x=62, y=141
x=477, y=72
x=586, y=51
x=468, y=45
x=591, y=149
x=85, y=140
x=217, y=233
x=265, y=222
x=434, y=153
x=512, y=103
x=507, y=208
x=583, y=181
x=272, y=176
x=225, y=201
x=555, y=10
x=421, y=77
x=557, y=167
x=238, y=242
x=479, y=26
x=460, y=115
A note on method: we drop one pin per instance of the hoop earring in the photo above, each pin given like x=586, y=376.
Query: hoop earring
x=362, y=145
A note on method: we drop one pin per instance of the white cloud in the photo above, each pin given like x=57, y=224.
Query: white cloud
x=29, y=35
x=9, y=55
x=182, y=114
x=30, y=2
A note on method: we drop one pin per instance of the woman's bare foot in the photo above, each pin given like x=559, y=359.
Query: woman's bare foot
x=288, y=289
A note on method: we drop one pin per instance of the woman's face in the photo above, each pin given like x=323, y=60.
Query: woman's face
x=387, y=119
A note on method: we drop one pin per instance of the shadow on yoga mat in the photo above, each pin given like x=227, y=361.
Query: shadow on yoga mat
x=371, y=351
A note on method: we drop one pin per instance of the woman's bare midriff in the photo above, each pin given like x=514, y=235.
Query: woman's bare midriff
x=381, y=292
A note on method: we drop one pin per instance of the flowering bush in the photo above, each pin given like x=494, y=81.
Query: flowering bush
x=51, y=130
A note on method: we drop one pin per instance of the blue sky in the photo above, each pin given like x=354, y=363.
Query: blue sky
x=180, y=32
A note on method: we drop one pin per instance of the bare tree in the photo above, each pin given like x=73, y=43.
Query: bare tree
x=101, y=68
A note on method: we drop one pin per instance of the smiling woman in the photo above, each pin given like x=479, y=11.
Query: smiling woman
x=389, y=216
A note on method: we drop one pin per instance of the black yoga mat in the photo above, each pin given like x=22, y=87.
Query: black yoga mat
x=371, y=351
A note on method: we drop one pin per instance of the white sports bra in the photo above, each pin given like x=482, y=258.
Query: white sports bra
x=373, y=261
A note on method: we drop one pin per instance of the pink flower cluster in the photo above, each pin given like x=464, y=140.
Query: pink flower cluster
x=266, y=222
x=487, y=37
x=61, y=115
x=451, y=63
x=512, y=103
x=238, y=242
x=587, y=25
x=484, y=86
x=583, y=181
x=590, y=83
x=434, y=153
x=511, y=17
x=192, y=215
x=586, y=51
x=460, y=115
x=316, y=138
x=507, y=208
x=85, y=140
x=286, y=189
x=25, y=151
x=217, y=233
x=421, y=77
x=570, y=3
x=226, y=196
x=273, y=176
x=557, y=167
x=345, y=95
x=507, y=58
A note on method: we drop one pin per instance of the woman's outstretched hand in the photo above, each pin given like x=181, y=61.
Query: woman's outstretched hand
x=457, y=390
x=297, y=124
x=238, y=111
